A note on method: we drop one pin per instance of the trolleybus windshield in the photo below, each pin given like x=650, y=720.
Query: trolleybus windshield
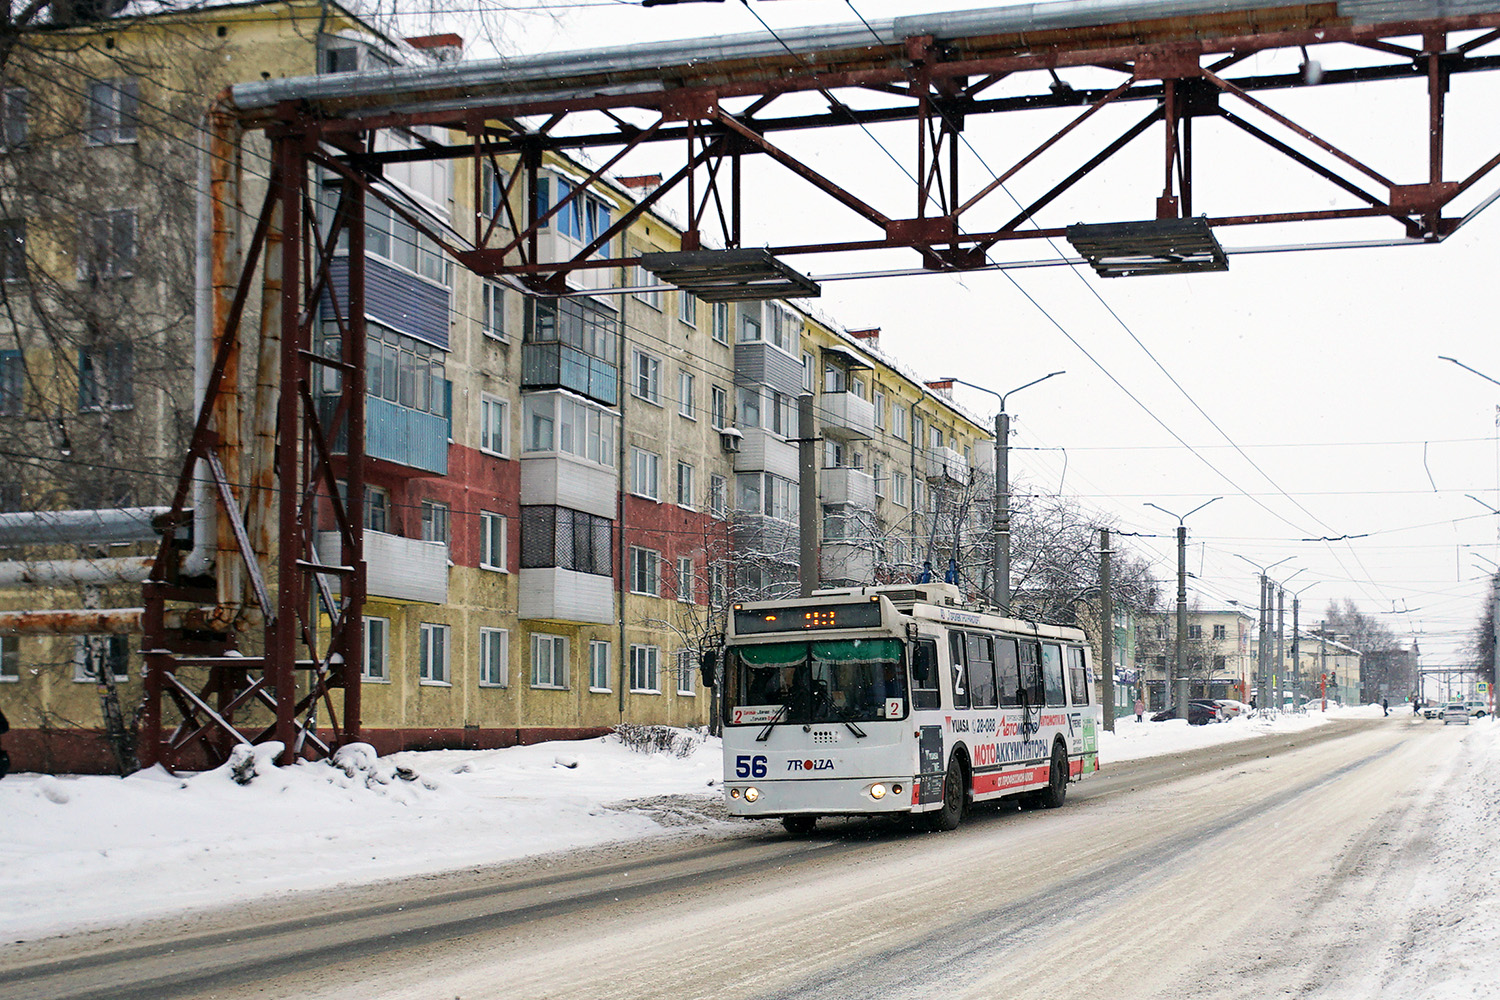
x=826, y=681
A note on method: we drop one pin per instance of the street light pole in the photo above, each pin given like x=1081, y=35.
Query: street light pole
x=1297, y=640
x=1000, y=549
x=1180, y=649
x=1262, y=651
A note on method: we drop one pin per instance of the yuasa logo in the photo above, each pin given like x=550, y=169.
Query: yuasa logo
x=810, y=765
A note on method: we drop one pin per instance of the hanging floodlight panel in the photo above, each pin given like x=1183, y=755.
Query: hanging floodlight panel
x=1156, y=246
x=730, y=275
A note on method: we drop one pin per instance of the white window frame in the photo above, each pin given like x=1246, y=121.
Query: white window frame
x=686, y=581
x=494, y=425
x=556, y=644
x=490, y=640
x=371, y=671
x=718, y=495
x=687, y=307
x=898, y=420
x=111, y=111
x=879, y=404
x=80, y=672
x=808, y=363
x=687, y=403
x=723, y=322
x=645, y=474
x=437, y=519
x=492, y=530
x=108, y=241
x=645, y=293
x=492, y=310
x=898, y=489
x=601, y=659
x=645, y=669
x=687, y=668
x=433, y=637
x=876, y=474
x=645, y=571
x=647, y=370
x=686, y=486
x=718, y=407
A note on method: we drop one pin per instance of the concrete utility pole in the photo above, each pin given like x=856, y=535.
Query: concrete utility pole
x=1263, y=642
x=1106, y=630
x=1000, y=550
x=807, y=495
x=1297, y=643
x=1181, y=697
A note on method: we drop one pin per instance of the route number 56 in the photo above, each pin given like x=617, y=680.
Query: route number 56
x=746, y=766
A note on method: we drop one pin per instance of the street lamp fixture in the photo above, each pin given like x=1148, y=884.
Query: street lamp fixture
x=1181, y=649
x=1000, y=582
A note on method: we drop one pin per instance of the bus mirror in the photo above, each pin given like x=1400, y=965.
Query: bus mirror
x=708, y=665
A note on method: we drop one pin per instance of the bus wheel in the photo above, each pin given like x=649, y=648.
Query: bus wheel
x=800, y=825
x=948, y=817
x=1056, y=792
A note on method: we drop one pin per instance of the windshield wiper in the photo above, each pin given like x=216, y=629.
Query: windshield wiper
x=855, y=729
x=765, y=733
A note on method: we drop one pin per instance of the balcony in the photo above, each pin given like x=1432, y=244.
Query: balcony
x=562, y=595
x=947, y=464
x=556, y=480
x=413, y=439
x=846, y=563
x=850, y=487
x=554, y=365
x=762, y=451
x=396, y=568
x=846, y=416
x=984, y=457
x=554, y=246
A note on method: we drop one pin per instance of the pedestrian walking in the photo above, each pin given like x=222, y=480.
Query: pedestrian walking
x=1385, y=705
x=1140, y=708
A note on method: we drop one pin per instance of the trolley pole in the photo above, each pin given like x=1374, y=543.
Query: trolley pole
x=1181, y=647
x=1106, y=631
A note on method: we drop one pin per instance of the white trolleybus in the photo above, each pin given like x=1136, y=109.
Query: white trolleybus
x=888, y=700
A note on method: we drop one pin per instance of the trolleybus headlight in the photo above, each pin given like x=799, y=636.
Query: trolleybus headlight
x=877, y=791
x=734, y=793
x=751, y=794
x=895, y=789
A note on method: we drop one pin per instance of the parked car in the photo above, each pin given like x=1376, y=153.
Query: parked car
x=1432, y=711
x=1478, y=709
x=1200, y=713
x=1229, y=708
x=1456, y=711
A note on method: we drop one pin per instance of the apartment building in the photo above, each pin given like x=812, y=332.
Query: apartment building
x=563, y=491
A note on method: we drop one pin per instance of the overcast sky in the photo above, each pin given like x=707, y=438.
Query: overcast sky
x=1320, y=369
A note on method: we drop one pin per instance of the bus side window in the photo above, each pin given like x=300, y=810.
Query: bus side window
x=1052, y=673
x=981, y=671
x=960, y=670
x=1007, y=672
x=1031, y=674
x=924, y=675
x=1078, y=681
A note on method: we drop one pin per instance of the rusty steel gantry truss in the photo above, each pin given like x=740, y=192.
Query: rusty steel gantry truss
x=720, y=103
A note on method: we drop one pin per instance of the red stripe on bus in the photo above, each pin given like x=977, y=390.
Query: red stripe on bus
x=1006, y=780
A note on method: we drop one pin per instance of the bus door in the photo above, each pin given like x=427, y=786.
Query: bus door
x=932, y=761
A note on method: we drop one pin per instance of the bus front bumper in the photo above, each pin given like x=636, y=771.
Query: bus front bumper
x=826, y=797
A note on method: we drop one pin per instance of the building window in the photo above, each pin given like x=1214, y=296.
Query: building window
x=749, y=405
x=918, y=429
x=645, y=474
x=718, y=496
x=106, y=245
x=106, y=377
x=558, y=422
x=377, y=509
x=878, y=470
x=492, y=541
x=718, y=407
x=723, y=318
x=918, y=490
x=92, y=654
x=687, y=668
x=645, y=664
x=377, y=645
x=580, y=215
x=494, y=657
x=807, y=371
x=686, y=404
x=599, y=658
x=645, y=571
x=10, y=657
x=492, y=310
x=563, y=538
x=648, y=291
x=687, y=308
x=549, y=661
x=432, y=654
x=390, y=237
x=647, y=377
x=685, y=485
x=12, y=250
x=400, y=369
x=113, y=107
x=686, y=584
x=898, y=421
x=1221, y=632
x=1195, y=631
x=12, y=382
x=835, y=379
x=434, y=521
x=13, y=108
x=718, y=593
x=898, y=487
x=749, y=326
x=493, y=420
x=880, y=409
x=767, y=494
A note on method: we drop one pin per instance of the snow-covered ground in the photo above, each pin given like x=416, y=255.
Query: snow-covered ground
x=89, y=851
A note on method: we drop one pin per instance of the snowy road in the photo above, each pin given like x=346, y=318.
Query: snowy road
x=1297, y=865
